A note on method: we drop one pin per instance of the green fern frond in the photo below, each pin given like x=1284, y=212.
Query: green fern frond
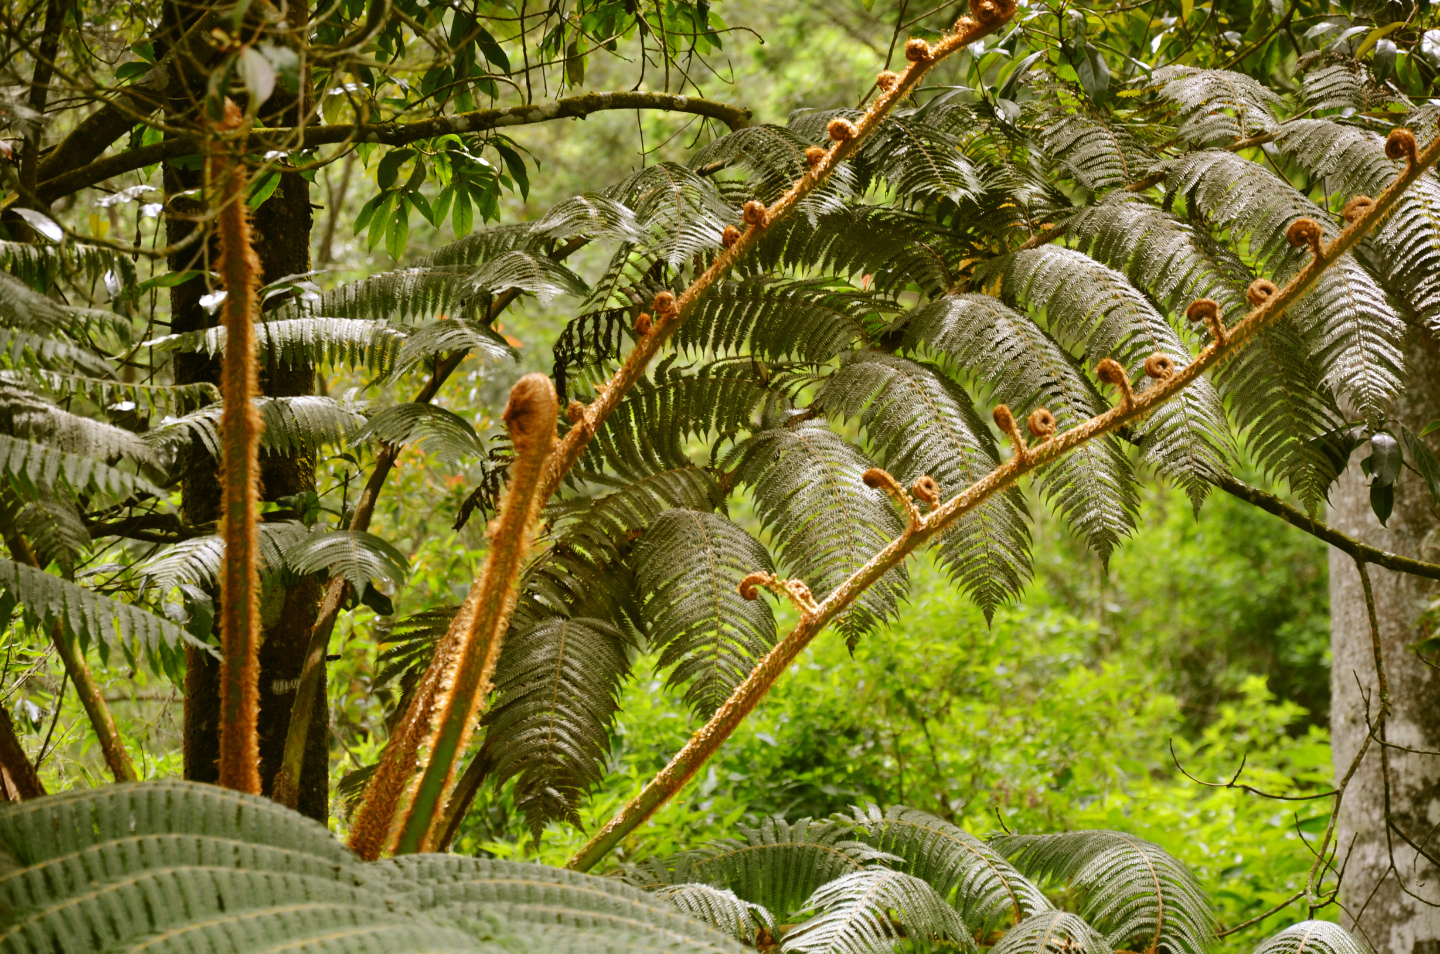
x=408, y=644
x=720, y=909
x=108, y=392
x=896, y=248
x=1342, y=86
x=86, y=615
x=29, y=417
x=918, y=422
x=447, y=435
x=449, y=335
x=774, y=158
x=37, y=465
x=357, y=556
x=811, y=319
x=778, y=865
x=920, y=162
x=198, y=560
x=1093, y=309
x=25, y=350
x=293, y=425
x=985, y=887
x=688, y=567
x=1052, y=932
x=591, y=215
x=825, y=522
x=40, y=265
x=50, y=520
x=1217, y=106
x=1096, y=153
x=683, y=212
x=295, y=342
x=557, y=686
x=863, y=913
x=1094, y=487
x=1313, y=937
x=1131, y=891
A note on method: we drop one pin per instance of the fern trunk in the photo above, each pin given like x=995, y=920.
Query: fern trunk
x=1395, y=922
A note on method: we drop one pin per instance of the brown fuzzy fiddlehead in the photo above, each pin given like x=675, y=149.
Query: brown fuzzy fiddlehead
x=730, y=236
x=1303, y=232
x=749, y=587
x=917, y=50
x=1005, y=420
x=1041, y=423
x=1400, y=144
x=1357, y=206
x=841, y=129
x=1159, y=366
x=643, y=324
x=927, y=489
x=877, y=478
x=1112, y=372
x=1260, y=291
x=1208, y=311
x=755, y=214
x=814, y=155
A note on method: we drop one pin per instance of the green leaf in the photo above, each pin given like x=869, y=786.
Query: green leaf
x=1382, y=501
x=263, y=189
x=1425, y=462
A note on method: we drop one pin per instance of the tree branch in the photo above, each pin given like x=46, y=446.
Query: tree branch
x=397, y=134
x=1272, y=302
x=1322, y=531
x=20, y=780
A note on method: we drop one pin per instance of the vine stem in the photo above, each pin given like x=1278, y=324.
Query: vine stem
x=748, y=694
x=240, y=428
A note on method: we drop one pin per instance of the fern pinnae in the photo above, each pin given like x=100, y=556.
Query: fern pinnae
x=854, y=915
x=720, y=909
x=1217, y=106
x=1313, y=937
x=1052, y=932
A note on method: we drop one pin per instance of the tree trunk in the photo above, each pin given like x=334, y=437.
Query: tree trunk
x=1376, y=904
x=282, y=226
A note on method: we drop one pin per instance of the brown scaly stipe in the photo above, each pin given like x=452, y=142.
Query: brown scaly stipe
x=1112, y=372
x=755, y=214
x=1260, y=291
x=1304, y=232
x=927, y=489
x=841, y=129
x=730, y=236
x=1041, y=423
x=1159, y=366
x=1208, y=311
x=1400, y=144
x=1357, y=206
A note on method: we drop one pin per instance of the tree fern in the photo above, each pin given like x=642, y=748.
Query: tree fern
x=33, y=465
x=1313, y=937
x=292, y=424
x=864, y=912
x=688, y=566
x=445, y=433
x=1052, y=932
x=1130, y=890
x=985, y=887
x=1217, y=106
x=920, y=423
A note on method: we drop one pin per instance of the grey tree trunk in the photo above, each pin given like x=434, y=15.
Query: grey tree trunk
x=1376, y=903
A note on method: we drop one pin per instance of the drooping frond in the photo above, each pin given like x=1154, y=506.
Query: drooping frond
x=1097, y=153
x=592, y=215
x=825, y=522
x=294, y=342
x=1094, y=486
x=1131, y=891
x=556, y=687
x=1313, y=937
x=357, y=556
x=197, y=561
x=720, y=909
x=1092, y=308
x=293, y=425
x=865, y=911
x=409, y=643
x=920, y=162
x=688, y=567
x=1342, y=86
x=85, y=614
x=40, y=265
x=37, y=465
x=811, y=319
x=985, y=887
x=1217, y=106
x=681, y=211
x=1052, y=932
x=28, y=416
x=450, y=335
x=531, y=907
x=109, y=392
x=445, y=433
x=777, y=865
x=921, y=423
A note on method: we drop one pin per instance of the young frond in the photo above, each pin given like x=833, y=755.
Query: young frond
x=777, y=865
x=1313, y=937
x=986, y=888
x=292, y=425
x=1095, y=309
x=825, y=522
x=865, y=911
x=445, y=433
x=354, y=554
x=557, y=686
x=1131, y=891
x=85, y=614
x=1052, y=932
x=918, y=422
x=688, y=567
x=1217, y=106
x=1096, y=153
x=34, y=466
x=1093, y=487
x=811, y=319
x=720, y=909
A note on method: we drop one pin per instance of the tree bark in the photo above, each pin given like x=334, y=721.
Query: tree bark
x=1377, y=906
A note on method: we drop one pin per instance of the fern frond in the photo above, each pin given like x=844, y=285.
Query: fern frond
x=1313, y=937
x=895, y=247
x=37, y=465
x=985, y=887
x=40, y=265
x=447, y=435
x=197, y=560
x=410, y=642
x=825, y=522
x=1342, y=86
x=1131, y=891
x=920, y=423
x=107, y=392
x=85, y=614
x=863, y=912
x=557, y=686
x=1093, y=487
x=920, y=163
x=357, y=556
x=592, y=215
x=774, y=157
x=294, y=342
x=688, y=566
x=450, y=335
x=28, y=416
x=1052, y=932
x=683, y=212
x=720, y=909
x=1096, y=153
x=293, y=425
x=811, y=319
x=1217, y=106
x=777, y=865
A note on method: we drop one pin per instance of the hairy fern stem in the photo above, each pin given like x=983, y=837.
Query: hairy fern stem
x=1269, y=305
